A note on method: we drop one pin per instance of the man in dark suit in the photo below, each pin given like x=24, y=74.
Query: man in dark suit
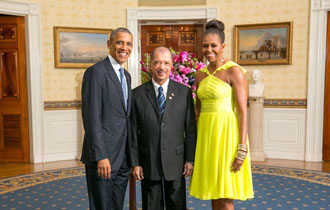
x=106, y=102
x=164, y=136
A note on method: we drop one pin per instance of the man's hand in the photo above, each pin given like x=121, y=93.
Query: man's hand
x=188, y=169
x=104, y=168
x=138, y=173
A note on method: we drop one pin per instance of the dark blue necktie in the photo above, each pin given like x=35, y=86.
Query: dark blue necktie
x=161, y=100
x=123, y=85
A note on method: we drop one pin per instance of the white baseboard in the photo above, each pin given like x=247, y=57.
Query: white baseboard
x=285, y=155
x=61, y=156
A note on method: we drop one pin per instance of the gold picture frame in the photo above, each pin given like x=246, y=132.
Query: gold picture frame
x=79, y=47
x=263, y=44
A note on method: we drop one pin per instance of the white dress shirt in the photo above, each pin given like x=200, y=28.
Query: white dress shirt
x=116, y=66
x=164, y=86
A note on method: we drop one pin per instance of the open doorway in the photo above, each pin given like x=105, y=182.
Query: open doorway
x=178, y=35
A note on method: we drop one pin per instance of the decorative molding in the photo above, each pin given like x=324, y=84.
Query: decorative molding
x=132, y=14
x=320, y=5
x=137, y=14
x=63, y=135
x=60, y=105
x=325, y=4
x=316, y=72
x=315, y=4
x=34, y=9
x=31, y=13
x=211, y=13
x=170, y=2
x=286, y=103
x=277, y=103
x=14, y=8
x=284, y=133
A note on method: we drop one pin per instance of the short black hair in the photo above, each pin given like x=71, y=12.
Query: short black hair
x=215, y=27
x=114, y=32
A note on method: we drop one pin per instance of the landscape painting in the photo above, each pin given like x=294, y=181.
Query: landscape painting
x=261, y=44
x=80, y=47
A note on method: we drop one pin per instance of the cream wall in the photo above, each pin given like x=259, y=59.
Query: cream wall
x=65, y=84
x=281, y=81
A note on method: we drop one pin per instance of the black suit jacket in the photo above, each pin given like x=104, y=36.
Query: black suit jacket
x=106, y=123
x=162, y=145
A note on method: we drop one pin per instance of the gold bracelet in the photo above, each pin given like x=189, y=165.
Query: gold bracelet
x=240, y=155
x=243, y=147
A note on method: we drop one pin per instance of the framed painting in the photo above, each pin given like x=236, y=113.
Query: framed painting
x=263, y=44
x=80, y=47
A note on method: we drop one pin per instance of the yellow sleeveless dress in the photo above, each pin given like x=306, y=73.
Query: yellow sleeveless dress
x=218, y=137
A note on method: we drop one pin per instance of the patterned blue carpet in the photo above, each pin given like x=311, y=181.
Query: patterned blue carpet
x=65, y=189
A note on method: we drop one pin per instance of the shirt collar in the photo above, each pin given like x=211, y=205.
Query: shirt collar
x=164, y=86
x=114, y=63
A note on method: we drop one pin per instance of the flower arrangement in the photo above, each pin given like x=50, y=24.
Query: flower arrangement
x=184, y=68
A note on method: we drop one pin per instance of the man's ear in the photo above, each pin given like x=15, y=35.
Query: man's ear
x=108, y=44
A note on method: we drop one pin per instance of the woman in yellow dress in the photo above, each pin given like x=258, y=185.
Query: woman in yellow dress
x=222, y=169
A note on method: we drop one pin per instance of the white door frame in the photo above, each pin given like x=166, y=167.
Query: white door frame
x=316, y=74
x=136, y=14
x=31, y=12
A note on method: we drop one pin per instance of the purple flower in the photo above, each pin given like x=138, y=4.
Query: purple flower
x=184, y=56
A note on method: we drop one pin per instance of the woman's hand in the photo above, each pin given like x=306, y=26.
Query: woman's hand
x=236, y=166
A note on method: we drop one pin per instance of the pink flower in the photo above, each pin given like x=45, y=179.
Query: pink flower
x=183, y=71
x=181, y=68
x=199, y=65
x=184, y=56
x=176, y=58
x=187, y=70
x=194, y=95
x=193, y=87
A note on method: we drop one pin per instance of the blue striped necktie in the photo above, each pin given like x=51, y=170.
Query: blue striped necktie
x=161, y=100
x=123, y=85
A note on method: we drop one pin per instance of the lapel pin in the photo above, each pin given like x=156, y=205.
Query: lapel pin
x=170, y=97
x=172, y=94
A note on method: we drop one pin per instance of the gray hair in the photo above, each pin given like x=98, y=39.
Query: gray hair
x=114, y=32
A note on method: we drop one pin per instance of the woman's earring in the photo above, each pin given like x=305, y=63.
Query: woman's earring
x=222, y=60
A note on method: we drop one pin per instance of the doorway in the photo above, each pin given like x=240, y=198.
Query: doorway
x=179, y=37
x=14, y=118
